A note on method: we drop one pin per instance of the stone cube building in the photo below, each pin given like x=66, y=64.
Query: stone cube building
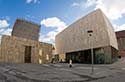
x=75, y=42
x=25, y=48
x=26, y=29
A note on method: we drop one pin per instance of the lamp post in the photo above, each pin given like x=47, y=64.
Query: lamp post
x=90, y=32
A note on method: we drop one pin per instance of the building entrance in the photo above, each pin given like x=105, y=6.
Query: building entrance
x=79, y=57
x=85, y=56
x=27, y=54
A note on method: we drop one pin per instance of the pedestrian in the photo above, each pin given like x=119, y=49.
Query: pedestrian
x=70, y=63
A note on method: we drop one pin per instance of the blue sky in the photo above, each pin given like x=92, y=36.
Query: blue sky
x=56, y=15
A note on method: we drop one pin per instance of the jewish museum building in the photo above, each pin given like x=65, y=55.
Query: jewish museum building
x=23, y=45
x=93, y=31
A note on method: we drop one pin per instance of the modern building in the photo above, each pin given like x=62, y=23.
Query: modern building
x=23, y=46
x=75, y=41
x=121, y=43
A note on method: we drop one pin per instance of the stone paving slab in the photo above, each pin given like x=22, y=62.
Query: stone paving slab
x=61, y=72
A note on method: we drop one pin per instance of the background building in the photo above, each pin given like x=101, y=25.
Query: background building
x=76, y=43
x=121, y=43
x=23, y=45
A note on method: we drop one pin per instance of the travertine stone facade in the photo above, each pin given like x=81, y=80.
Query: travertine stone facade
x=26, y=29
x=76, y=38
x=13, y=50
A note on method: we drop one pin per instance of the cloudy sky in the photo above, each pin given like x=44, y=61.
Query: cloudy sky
x=56, y=15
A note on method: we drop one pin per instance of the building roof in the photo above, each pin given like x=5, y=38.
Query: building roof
x=28, y=21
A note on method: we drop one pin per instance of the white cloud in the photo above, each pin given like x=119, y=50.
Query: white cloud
x=53, y=22
x=3, y=27
x=89, y=3
x=49, y=37
x=119, y=28
x=28, y=1
x=3, y=23
x=74, y=4
x=113, y=9
x=1, y=30
x=7, y=32
x=32, y=1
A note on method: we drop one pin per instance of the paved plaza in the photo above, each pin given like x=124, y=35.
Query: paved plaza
x=61, y=72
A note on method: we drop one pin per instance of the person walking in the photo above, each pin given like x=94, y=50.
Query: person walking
x=70, y=63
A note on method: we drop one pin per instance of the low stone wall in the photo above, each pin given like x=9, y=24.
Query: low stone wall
x=13, y=50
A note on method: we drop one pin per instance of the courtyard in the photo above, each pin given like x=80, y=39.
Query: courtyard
x=60, y=72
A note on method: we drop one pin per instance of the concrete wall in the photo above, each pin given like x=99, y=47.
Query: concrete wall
x=108, y=55
x=26, y=29
x=13, y=50
x=76, y=38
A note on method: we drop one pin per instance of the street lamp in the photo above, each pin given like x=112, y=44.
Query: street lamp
x=90, y=32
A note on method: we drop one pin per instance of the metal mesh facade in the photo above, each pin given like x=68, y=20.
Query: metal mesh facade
x=121, y=42
x=26, y=29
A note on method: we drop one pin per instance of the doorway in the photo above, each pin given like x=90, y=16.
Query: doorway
x=27, y=54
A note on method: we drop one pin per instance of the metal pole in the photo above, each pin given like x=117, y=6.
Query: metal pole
x=92, y=57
